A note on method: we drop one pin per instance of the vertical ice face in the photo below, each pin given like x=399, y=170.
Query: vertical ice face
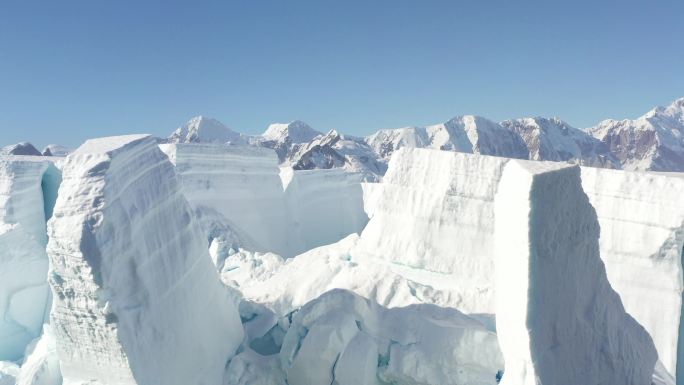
x=324, y=206
x=136, y=297
x=238, y=194
x=434, y=210
x=558, y=319
x=642, y=235
x=24, y=294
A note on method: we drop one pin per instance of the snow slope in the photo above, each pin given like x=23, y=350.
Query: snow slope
x=23, y=148
x=558, y=319
x=201, y=129
x=642, y=236
x=137, y=300
x=27, y=187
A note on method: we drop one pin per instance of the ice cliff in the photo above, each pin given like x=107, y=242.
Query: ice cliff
x=642, y=236
x=243, y=199
x=28, y=186
x=136, y=297
x=558, y=319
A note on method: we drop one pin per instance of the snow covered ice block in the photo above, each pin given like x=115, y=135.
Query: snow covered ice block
x=434, y=211
x=27, y=189
x=559, y=322
x=642, y=235
x=136, y=297
x=343, y=338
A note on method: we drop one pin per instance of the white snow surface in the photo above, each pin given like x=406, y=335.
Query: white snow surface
x=24, y=293
x=137, y=299
x=558, y=319
x=642, y=236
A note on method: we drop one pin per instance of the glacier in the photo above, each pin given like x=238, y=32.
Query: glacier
x=136, y=297
x=212, y=258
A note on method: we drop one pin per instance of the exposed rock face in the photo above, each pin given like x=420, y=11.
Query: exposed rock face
x=23, y=148
x=558, y=319
x=137, y=299
x=553, y=139
x=655, y=141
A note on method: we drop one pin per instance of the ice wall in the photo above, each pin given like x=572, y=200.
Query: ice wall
x=236, y=192
x=324, y=206
x=434, y=210
x=558, y=319
x=24, y=293
x=137, y=299
x=642, y=234
x=241, y=195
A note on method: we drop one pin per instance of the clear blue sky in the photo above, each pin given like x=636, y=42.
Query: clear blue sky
x=75, y=69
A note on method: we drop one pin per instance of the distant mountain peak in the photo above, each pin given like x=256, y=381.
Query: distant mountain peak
x=296, y=131
x=23, y=148
x=205, y=130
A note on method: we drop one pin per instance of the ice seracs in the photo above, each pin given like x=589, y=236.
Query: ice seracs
x=28, y=187
x=345, y=339
x=136, y=297
x=642, y=236
x=244, y=200
x=434, y=211
x=558, y=319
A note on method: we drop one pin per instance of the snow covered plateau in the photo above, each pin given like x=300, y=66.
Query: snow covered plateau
x=525, y=252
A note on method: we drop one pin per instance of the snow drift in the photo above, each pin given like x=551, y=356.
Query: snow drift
x=137, y=300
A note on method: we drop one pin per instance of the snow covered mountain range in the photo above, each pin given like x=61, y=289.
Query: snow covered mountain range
x=653, y=142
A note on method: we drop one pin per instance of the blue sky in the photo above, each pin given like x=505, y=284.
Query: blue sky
x=70, y=70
